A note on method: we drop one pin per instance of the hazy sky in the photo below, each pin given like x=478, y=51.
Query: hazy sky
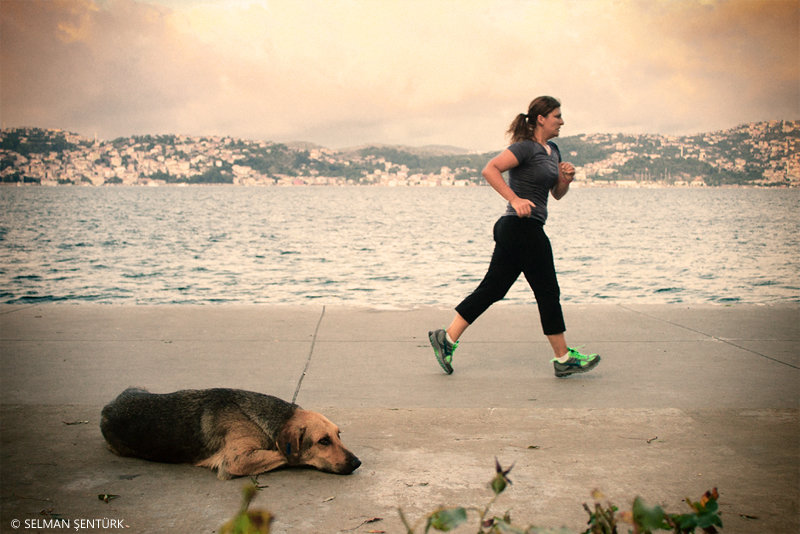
x=349, y=72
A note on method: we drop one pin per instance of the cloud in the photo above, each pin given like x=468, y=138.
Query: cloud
x=413, y=72
x=699, y=65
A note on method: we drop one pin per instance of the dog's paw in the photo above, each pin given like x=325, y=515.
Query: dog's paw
x=222, y=473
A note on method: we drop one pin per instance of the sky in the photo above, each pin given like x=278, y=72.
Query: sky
x=344, y=73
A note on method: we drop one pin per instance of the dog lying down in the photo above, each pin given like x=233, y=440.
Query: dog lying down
x=236, y=432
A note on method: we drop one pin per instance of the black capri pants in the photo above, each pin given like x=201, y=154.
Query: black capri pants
x=521, y=246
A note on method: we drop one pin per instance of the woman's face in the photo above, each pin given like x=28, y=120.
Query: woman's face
x=551, y=124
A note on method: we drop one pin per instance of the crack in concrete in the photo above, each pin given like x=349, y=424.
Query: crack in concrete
x=721, y=340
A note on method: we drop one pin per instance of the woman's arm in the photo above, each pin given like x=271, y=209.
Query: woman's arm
x=493, y=173
x=566, y=173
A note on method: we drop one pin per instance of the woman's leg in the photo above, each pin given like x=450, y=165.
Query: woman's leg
x=540, y=272
x=504, y=269
x=559, y=344
x=457, y=327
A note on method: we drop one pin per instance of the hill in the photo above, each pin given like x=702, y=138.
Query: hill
x=763, y=153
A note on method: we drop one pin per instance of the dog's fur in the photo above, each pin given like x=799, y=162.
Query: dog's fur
x=236, y=432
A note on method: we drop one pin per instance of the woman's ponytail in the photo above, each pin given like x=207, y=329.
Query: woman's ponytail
x=523, y=126
x=520, y=128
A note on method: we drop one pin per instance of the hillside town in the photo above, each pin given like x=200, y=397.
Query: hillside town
x=763, y=154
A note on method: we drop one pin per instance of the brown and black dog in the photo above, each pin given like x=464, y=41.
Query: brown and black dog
x=236, y=432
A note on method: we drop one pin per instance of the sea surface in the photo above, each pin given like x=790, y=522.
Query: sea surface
x=387, y=248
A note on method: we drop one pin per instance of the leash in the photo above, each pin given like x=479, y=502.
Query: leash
x=308, y=360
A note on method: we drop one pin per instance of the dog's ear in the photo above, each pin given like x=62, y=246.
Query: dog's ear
x=290, y=441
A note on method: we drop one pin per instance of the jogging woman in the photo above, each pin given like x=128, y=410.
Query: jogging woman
x=535, y=171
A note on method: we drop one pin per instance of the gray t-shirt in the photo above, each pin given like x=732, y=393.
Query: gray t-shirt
x=535, y=176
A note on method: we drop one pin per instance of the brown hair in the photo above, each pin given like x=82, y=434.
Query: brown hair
x=523, y=126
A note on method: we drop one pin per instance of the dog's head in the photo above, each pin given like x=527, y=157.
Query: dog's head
x=310, y=439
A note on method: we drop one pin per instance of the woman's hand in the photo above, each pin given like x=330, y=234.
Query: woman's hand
x=566, y=172
x=522, y=206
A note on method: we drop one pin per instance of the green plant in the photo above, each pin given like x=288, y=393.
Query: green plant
x=603, y=518
x=704, y=516
x=248, y=521
x=447, y=519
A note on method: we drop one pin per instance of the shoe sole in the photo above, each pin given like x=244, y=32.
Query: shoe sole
x=443, y=364
x=576, y=370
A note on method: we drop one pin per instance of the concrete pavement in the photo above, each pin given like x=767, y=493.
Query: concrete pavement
x=686, y=398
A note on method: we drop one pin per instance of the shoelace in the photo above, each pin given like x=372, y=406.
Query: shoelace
x=578, y=356
x=448, y=351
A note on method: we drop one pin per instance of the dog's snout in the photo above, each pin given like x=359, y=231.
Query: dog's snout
x=353, y=463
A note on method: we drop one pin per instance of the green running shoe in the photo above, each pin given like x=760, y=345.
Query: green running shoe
x=443, y=349
x=577, y=363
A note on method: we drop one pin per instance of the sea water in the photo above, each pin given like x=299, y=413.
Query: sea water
x=389, y=248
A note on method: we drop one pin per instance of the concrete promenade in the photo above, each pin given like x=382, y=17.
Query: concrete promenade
x=687, y=398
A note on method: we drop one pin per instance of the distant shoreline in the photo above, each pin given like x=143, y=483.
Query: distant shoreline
x=575, y=185
x=756, y=154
